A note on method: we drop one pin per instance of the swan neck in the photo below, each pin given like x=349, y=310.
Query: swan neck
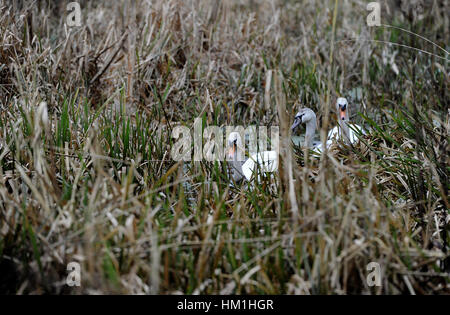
x=236, y=163
x=345, y=129
x=239, y=154
x=310, y=131
x=236, y=170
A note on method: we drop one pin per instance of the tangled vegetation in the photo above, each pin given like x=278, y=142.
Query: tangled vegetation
x=86, y=173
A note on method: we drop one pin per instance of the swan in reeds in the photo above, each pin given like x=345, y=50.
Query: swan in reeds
x=308, y=117
x=345, y=130
x=266, y=161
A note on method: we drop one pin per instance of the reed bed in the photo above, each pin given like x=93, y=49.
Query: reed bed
x=86, y=173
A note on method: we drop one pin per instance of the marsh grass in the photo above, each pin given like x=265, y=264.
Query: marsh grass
x=94, y=182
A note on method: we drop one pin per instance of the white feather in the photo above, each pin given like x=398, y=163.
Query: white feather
x=336, y=132
x=266, y=161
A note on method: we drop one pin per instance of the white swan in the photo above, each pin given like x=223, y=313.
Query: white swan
x=345, y=129
x=308, y=117
x=266, y=161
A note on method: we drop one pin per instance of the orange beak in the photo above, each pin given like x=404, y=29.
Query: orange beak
x=342, y=114
x=231, y=151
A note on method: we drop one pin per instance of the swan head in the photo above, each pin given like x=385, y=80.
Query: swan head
x=234, y=145
x=342, y=108
x=303, y=116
